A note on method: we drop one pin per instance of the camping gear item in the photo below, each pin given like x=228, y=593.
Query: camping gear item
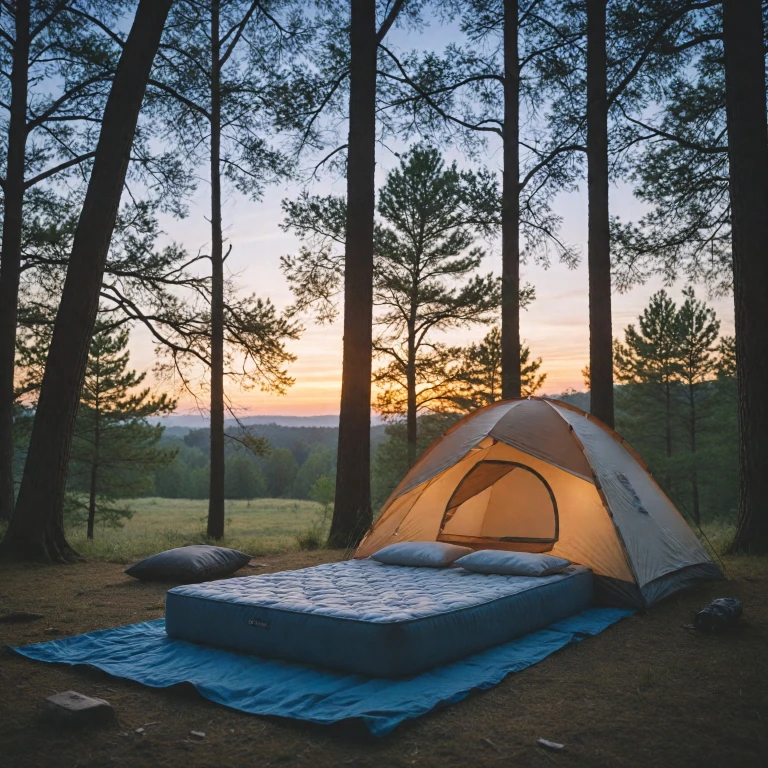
x=430, y=554
x=538, y=475
x=512, y=563
x=372, y=619
x=199, y=562
x=719, y=615
x=144, y=653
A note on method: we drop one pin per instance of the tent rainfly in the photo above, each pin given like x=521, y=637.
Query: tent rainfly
x=539, y=475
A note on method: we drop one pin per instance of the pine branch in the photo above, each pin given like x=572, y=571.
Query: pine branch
x=58, y=168
x=390, y=20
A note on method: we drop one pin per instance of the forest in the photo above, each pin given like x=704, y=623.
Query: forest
x=675, y=403
x=383, y=383
x=119, y=116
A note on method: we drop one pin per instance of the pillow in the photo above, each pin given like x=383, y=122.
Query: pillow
x=512, y=563
x=188, y=565
x=430, y=554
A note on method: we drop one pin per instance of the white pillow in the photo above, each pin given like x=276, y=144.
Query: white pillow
x=512, y=563
x=430, y=554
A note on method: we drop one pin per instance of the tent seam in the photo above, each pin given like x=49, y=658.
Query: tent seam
x=604, y=500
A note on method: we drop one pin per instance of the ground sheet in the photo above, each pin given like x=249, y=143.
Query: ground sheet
x=144, y=653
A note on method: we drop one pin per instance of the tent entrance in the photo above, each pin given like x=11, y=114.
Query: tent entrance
x=502, y=505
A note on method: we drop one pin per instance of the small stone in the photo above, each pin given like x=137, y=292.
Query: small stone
x=139, y=730
x=71, y=709
x=19, y=617
x=52, y=631
x=197, y=734
x=553, y=745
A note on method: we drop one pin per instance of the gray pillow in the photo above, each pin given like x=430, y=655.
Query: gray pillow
x=512, y=563
x=187, y=565
x=429, y=554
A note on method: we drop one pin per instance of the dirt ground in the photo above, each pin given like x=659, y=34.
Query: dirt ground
x=646, y=692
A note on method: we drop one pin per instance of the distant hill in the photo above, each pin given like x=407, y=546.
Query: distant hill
x=331, y=420
x=299, y=437
x=579, y=399
x=179, y=424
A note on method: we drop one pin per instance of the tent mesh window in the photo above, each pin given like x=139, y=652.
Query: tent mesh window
x=504, y=505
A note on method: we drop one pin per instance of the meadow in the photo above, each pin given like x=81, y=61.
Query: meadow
x=259, y=526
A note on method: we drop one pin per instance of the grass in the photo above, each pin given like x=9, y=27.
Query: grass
x=260, y=527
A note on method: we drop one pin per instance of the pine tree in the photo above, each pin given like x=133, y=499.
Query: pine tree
x=36, y=530
x=62, y=58
x=678, y=162
x=476, y=379
x=697, y=331
x=114, y=449
x=493, y=84
x=425, y=270
x=745, y=90
x=219, y=60
x=483, y=371
x=57, y=65
x=649, y=363
x=426, y=277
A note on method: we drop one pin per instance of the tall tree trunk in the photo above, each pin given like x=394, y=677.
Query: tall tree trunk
x=94, y=460
x=598, y=250
x=92, y=497
x=352, y=508
x=511, y=385
x=410, y=419
x=668, y=434
x=10, y=255
x=36, y=530
x=748, y=159
x=668, y=418
x=694, y=469
x=216, y=494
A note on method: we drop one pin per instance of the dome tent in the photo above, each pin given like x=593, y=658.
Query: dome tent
x=539, y=475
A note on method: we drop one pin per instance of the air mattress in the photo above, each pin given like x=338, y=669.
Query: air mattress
x=372, y=619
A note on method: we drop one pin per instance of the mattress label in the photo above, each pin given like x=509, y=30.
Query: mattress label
x=258, y=623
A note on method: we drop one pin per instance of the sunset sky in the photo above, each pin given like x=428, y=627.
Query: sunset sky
x=555, y=326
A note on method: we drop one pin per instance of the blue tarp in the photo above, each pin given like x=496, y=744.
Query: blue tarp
x=144, y=653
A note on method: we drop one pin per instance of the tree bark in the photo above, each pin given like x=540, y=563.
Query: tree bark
x=36, y=531
x=352, y=508
x=511, y=384
x=694, y=470
x=598, y=250
x=668, y=431
x=748, y=159
x=216, y=493
x=92, y=498
x=94, y=459
x=411, y=425
x=10, y=255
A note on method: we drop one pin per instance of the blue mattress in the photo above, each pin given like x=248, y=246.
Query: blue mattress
x=372, y=619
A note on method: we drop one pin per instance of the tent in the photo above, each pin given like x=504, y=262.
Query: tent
x=540, y=475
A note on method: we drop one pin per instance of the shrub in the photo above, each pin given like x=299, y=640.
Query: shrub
x=313, y=536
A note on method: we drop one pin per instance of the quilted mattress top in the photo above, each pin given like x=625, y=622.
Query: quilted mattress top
x=365, y=590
